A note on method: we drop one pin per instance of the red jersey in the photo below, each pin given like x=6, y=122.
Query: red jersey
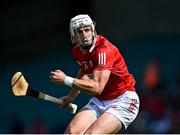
x=106, y=56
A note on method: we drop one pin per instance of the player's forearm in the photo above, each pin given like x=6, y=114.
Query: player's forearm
x=74, y=93
x=92, y=86
x=88, y=86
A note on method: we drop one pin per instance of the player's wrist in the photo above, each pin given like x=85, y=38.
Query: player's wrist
x=68, y=81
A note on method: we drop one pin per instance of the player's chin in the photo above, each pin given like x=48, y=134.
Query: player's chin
x=87, y=42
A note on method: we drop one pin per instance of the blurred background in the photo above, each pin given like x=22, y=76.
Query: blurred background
x=35, y=40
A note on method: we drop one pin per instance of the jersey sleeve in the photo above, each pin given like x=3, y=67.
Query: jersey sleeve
x=104, y=59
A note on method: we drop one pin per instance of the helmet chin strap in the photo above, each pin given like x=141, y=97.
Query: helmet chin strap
x=89, y=45
x=86, y=47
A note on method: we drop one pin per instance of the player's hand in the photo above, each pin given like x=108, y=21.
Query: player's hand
x=57, y=77
x=66, y=100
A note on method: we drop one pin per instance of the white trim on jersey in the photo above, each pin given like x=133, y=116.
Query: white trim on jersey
x=102, y=59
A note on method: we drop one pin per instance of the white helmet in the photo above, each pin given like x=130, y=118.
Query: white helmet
x=81, y=21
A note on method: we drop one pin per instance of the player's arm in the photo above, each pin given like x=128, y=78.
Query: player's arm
x=92, y=86
x=95, y=85
x=74, y=92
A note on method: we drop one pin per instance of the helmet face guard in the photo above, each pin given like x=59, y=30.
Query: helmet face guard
x=78, y=22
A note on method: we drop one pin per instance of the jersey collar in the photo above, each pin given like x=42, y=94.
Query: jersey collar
x=91, y=49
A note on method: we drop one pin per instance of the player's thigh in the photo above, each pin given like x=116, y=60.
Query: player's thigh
x=106, y=124
x=81, y=122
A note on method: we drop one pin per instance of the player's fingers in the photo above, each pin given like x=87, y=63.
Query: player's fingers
x=52, y=73
x=65, y=102
x=64, y=105
x=57, y=71
x=52, y=78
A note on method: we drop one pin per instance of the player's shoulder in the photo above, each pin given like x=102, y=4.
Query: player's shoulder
x=104, y=44
x=101, y=40
x=76, y=51
x=75, y=48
